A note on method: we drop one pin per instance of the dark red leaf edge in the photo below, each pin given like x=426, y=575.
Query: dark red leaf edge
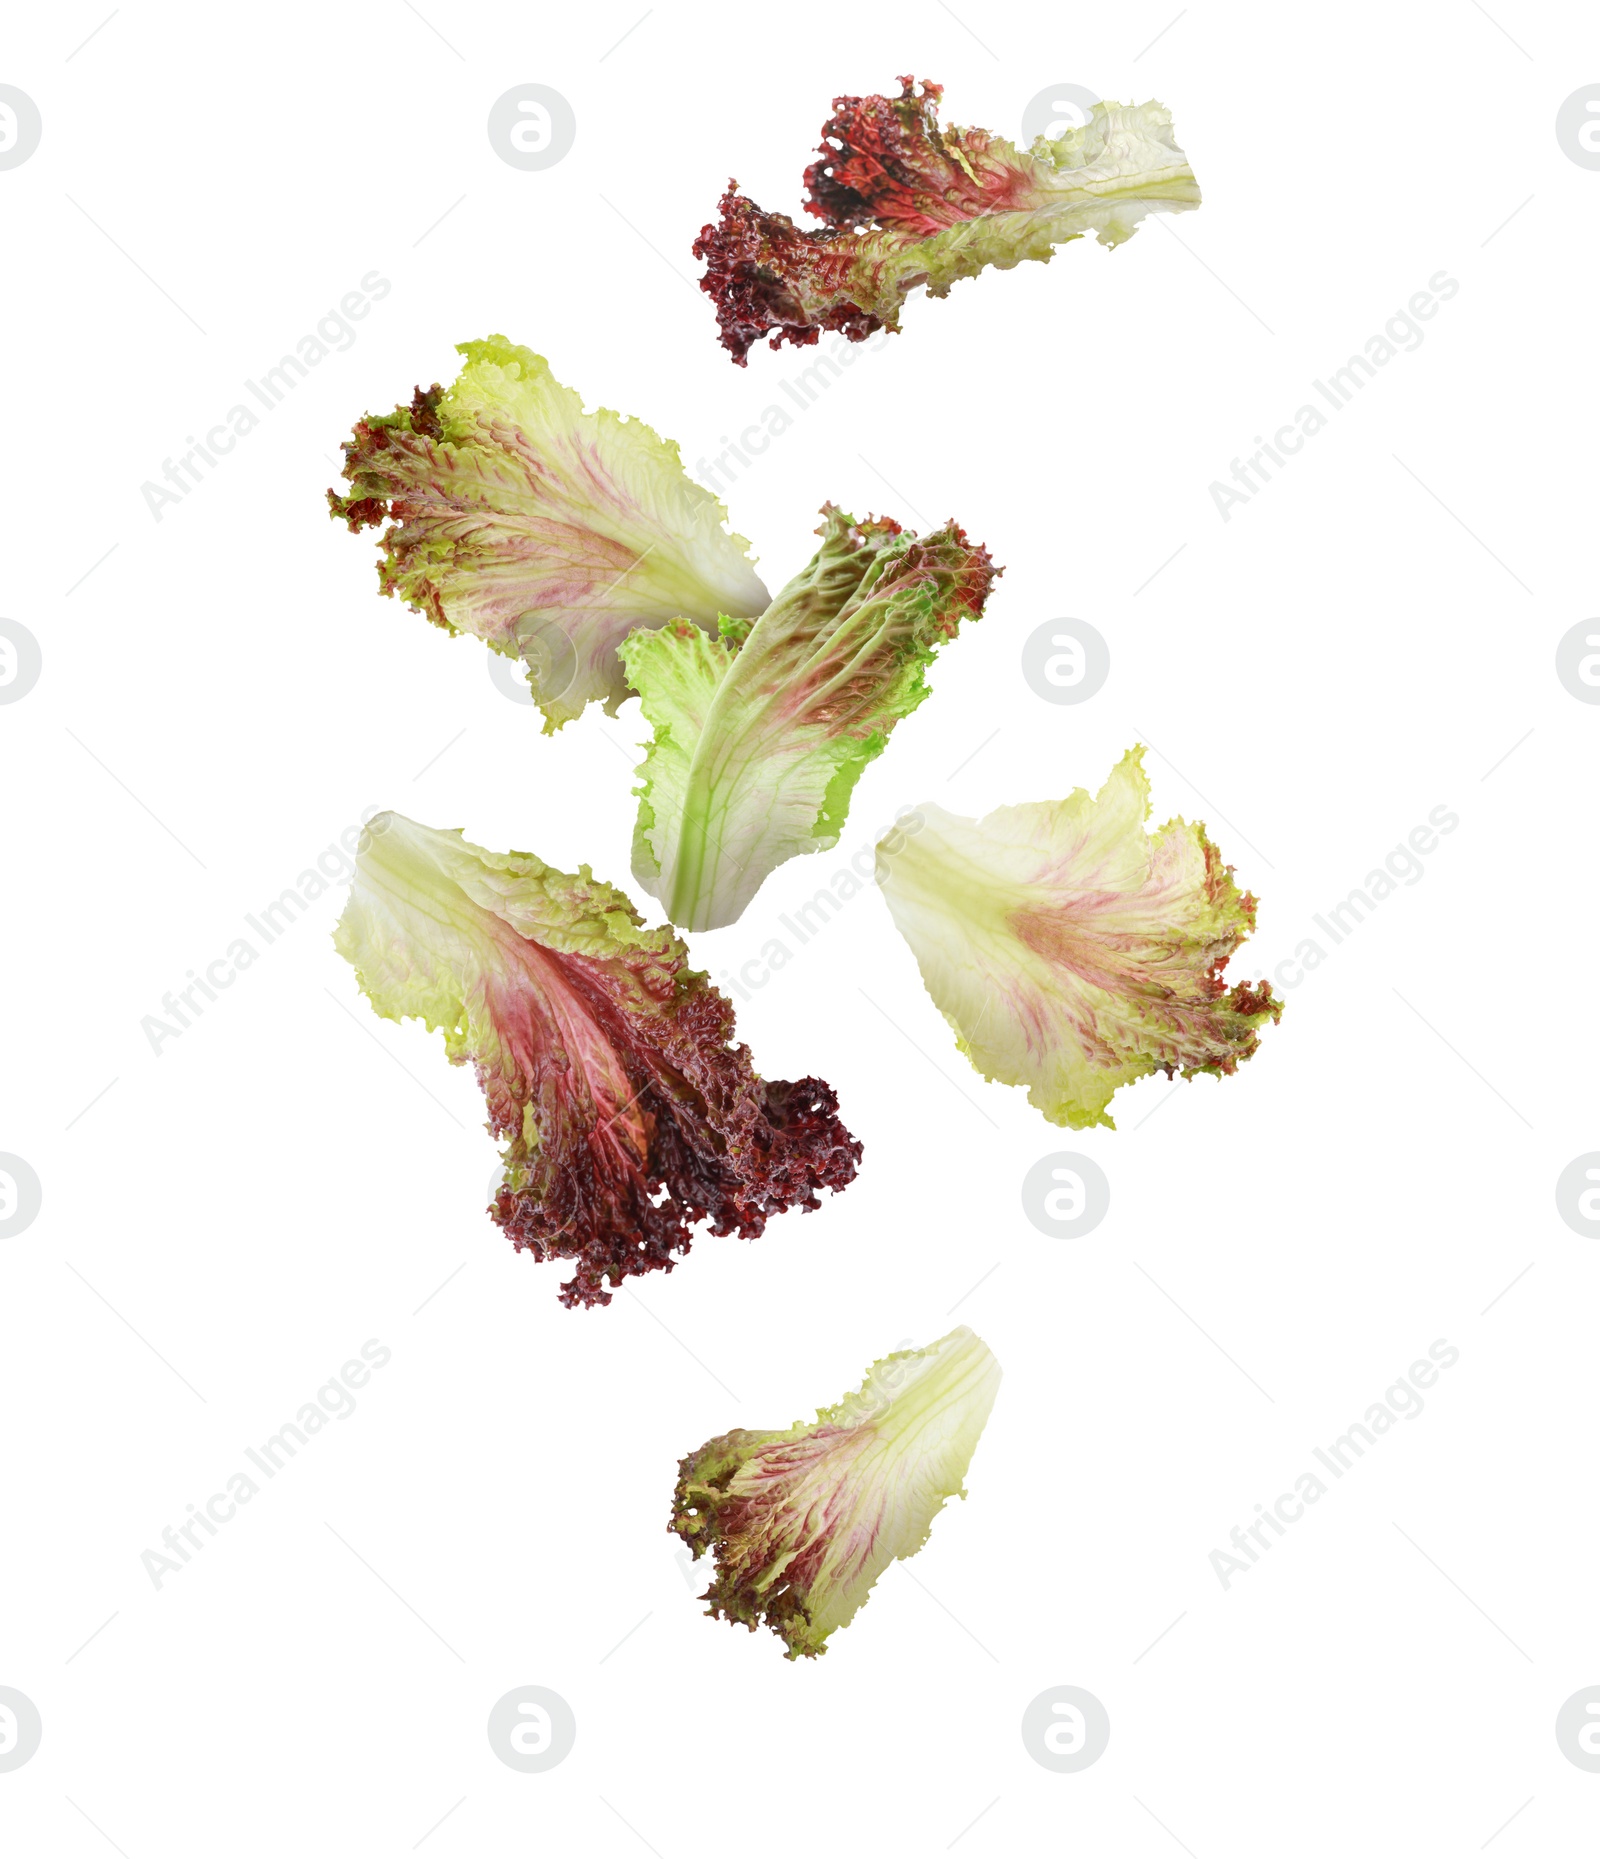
x=724, y=1146
x=883, y=165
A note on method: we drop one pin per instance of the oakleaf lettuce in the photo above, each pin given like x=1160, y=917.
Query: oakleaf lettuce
x=627, y=1114
x=547, y=532
x=802, y=1523
x=906, y=202
x=1074, y=952
x=758, y=745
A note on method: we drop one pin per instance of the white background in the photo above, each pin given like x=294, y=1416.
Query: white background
x=234, y=1217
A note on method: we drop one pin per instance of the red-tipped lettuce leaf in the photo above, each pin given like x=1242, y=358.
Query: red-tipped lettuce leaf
x=758, y=748
x=1071, y=950
x=627, y=1114
x=802, y=1523
x=905, y=202
x=548, y=532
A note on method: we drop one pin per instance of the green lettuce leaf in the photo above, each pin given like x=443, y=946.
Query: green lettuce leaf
x=1074, y=952
x=627, y=1113
x=758, y=746
x=803, y=1523
x=545, y=531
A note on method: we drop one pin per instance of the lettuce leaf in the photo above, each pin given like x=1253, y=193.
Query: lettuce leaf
x=545, y=531
x=758, y=746
x=905, y=202
x=627, y=1115
x=803, y=1523
x=1073, y=952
